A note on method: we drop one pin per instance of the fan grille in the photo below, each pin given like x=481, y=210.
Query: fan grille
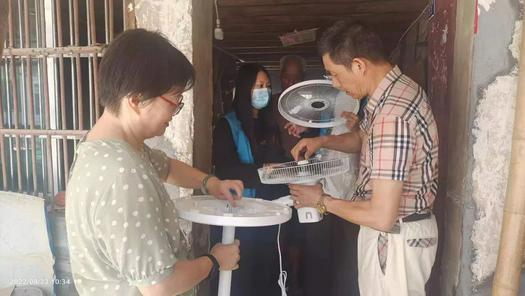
x=315, y=103
x=300, y=172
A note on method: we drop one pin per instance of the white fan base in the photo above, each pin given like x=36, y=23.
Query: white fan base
x=250, y=212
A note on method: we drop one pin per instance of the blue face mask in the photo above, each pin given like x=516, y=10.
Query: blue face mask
x=260, y=98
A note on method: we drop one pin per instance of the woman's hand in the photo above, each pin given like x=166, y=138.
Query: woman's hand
x=228, y=256
x=230, y=190
x=306, y=195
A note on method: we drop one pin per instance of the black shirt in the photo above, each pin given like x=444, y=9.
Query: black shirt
x=228, y=165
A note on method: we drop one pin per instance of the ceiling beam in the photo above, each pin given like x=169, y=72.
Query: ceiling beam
x=387, y=26
x=368, y=18
x=227, y=3
x=276, y=43
x=339, y=9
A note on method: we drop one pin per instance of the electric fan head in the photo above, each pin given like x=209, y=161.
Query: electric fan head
x=304, y=171
x=316, y=104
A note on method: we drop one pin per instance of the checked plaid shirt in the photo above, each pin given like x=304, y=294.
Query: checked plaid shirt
x=400, y=142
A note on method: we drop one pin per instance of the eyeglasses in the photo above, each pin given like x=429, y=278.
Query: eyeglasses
x=327, y=76
x=178, y=105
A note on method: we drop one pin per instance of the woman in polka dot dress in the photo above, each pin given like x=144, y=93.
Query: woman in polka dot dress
x=122, y=226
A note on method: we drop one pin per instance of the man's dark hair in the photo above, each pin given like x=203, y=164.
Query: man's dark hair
x=143, y=64
x=345, y=41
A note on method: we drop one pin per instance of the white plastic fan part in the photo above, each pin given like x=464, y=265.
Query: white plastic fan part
x=249, y=212
x=305, y=215
x=316, y=104
x=304, y=171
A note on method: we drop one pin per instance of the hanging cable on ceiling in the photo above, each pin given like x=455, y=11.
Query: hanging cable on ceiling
x=217, y=32
x=423, y=12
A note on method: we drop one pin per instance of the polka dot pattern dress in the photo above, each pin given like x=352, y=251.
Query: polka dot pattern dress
x=122, y=226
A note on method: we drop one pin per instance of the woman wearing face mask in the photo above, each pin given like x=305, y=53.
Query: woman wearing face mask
x=241, y=145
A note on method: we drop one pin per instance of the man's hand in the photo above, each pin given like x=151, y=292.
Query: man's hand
x=230, y=190
x=305, y=195
x=307, y=147
x=294, y=129
x=351, y=119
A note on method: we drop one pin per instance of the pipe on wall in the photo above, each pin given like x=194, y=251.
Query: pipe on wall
x=512, y=239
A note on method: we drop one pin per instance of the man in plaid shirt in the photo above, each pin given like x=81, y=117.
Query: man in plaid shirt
x=398, y=176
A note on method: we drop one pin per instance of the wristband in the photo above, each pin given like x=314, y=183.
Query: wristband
x=214, y=271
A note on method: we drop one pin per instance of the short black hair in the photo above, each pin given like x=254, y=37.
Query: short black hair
x=144, y=64
x=346, y=40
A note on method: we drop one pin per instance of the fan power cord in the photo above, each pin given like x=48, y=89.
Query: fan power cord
x=282, y=274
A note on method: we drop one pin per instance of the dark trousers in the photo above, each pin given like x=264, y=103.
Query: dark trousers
x=318, y=272
x=326, y=256
x=259, y=265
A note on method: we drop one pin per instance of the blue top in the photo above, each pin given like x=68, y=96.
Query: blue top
x=244, y=149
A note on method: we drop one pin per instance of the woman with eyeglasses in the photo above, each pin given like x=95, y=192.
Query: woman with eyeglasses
x=242, y=143
x=123, y=232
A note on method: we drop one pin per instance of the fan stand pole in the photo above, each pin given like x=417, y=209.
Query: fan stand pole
x=225, y=277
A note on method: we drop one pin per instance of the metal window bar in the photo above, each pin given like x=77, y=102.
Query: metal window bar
x=48, y=86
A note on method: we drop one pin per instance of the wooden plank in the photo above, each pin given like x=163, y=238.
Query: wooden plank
x=256, y=28
x=203, y=89
x=227, y=3
x=277, y=49
x=348, y=8
x=202, y=37
x=68, y=51
x=276, y=61
x=276, y=52
x=251, y=43
x=458, y=108
x=272, y=34
x=369, y=18
x=228, y=43
x=385, y=28
x=311, y=56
